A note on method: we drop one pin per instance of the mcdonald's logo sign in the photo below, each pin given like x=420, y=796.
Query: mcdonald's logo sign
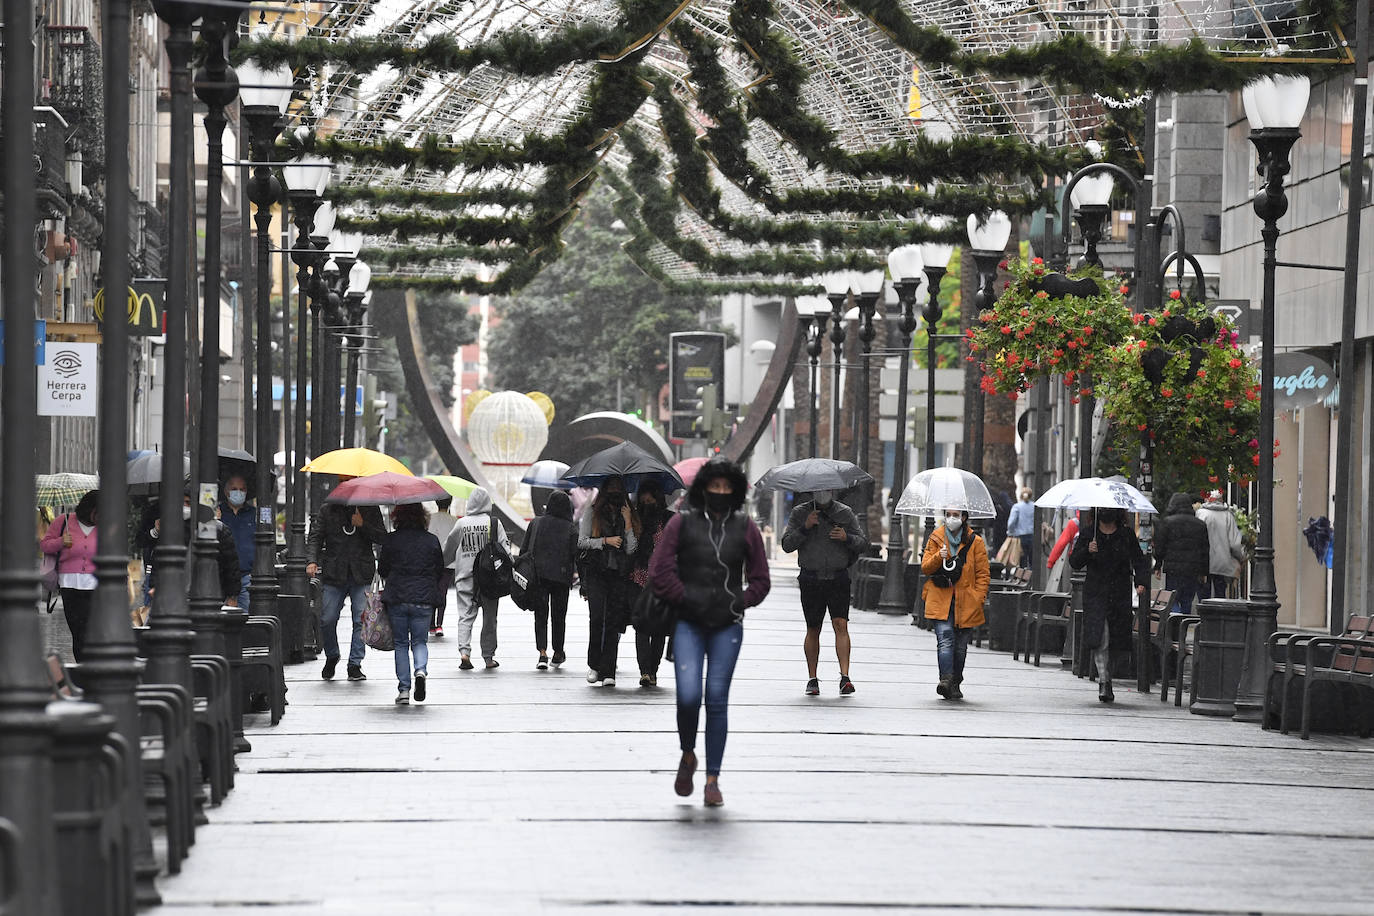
x=146, y=303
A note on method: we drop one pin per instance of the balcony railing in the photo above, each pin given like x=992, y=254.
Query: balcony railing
x=74, y=84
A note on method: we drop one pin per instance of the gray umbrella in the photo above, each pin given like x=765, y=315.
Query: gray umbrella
x=811, y=474
x=145, y=473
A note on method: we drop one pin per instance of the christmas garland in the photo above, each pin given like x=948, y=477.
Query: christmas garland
x=510, y=198
x=475, y=230
x=429, y=254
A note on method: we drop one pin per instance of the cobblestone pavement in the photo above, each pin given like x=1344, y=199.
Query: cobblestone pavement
x=521, y=791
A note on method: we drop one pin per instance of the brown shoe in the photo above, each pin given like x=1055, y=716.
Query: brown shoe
x=686, y=768
x=712, y=797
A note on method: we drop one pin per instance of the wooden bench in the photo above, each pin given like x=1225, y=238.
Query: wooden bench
x=1290, y=655
x=1350, y=665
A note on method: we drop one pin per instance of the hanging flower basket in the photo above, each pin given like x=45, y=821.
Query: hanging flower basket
x=1044, y=324
x=1181, y=378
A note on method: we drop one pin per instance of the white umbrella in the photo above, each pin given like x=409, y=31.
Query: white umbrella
x=932, y=492
x=547, y=474
x=1095, y=493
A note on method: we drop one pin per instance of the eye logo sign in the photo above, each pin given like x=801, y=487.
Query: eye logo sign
x=66, y=363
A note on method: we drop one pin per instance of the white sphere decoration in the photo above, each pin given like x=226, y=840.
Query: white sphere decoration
x=506, y=432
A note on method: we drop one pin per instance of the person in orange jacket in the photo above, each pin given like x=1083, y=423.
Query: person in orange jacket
x=955, y=563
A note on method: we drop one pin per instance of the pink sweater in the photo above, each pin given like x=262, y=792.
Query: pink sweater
x=78, y=558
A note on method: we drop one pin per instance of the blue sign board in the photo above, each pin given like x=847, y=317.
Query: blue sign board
x=357, y=394
x=40, y=341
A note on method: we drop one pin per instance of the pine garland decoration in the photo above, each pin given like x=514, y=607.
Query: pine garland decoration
x=409, y=255
x=376, y=196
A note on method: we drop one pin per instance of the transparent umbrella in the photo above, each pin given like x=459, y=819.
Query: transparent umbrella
x=1095, y=493
x=933, y=491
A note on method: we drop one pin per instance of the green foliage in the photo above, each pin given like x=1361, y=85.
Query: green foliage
x=588, y=320
x=1203, y=426
x=1026, y=335
x=445, y=326
x=951, y=304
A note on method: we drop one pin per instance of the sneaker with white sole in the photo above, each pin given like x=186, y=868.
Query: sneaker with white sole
x=420, y=679
x=402, y=697
x=608, y=682
x=593, y=677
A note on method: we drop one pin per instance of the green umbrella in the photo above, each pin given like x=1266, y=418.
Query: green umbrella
x=457, y=487
x=64, y=489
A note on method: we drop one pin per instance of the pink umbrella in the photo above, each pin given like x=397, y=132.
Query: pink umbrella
x=687, y=469
x=386, y=489
x=581, y=498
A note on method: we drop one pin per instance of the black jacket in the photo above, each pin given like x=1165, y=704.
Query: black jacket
x=1180, y=547
x=412, y=564
x=344, y=553
x=226, y=553
x=1109, y=585
x=553, y=541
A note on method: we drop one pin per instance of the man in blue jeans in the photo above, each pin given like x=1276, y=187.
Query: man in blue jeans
x=341, y=553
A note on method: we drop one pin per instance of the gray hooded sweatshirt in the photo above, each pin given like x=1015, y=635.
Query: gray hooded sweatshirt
x=1225, y=550
x=470, y=535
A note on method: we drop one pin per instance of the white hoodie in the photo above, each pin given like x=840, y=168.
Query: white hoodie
x=470, y=535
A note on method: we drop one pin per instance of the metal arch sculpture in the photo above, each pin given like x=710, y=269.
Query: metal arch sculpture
x=791, y=336
x=592, y=432
x=424, y=400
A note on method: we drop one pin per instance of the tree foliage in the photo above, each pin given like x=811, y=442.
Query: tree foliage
x=590, y=319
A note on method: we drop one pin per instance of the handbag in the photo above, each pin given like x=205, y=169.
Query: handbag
x=524, y=580
x=652, y=615
x=491, y=573
x=377, y=633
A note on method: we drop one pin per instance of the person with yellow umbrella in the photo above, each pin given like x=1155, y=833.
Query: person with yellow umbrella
x=340, y=550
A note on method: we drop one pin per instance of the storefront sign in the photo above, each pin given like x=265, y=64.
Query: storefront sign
x=146, y=302
x=1301, y=380
x=67, y=382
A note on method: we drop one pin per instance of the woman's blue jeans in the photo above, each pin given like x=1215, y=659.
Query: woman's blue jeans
x=410, y=629
x=693, y=645
x=951, y=645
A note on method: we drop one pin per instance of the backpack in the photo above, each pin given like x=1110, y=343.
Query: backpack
x=491, y=572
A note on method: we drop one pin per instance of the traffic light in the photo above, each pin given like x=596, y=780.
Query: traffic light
x=704, y=411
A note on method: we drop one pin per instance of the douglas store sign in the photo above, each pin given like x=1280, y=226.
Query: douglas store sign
x=1301, y=380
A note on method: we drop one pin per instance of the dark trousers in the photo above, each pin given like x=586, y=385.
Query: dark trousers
x=552, y=602
x=648, y=649
x=1219, y=586
x=445, y=586
x=1185, y=589
x=606, y=606
x=76, y=606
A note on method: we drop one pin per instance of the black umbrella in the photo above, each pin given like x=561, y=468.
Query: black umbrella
x=808, y=475
x=625, y=460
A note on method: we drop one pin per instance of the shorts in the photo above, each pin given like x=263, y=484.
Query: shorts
x=820, y=595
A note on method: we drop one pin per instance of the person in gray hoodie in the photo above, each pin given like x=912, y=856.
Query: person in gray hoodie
x=827, y=538
x=464, y=542
x=1225, y=550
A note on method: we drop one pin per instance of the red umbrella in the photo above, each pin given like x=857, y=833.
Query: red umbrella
x=386, y=489
x=687, y=469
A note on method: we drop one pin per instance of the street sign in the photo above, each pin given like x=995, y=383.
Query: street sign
x=67, y=385
x=696, y=359
x=40, y=341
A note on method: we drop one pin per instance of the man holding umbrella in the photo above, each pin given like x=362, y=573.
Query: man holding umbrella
x=340, y=552
x=827, y=538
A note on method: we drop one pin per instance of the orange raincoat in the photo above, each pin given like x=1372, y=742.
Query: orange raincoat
x=968, y=593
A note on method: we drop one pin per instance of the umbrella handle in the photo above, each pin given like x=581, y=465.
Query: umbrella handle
x=948, y=564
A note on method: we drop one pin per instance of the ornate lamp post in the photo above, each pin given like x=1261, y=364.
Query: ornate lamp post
x=905, y=263
x=837, y=286
x=355, y=300
x=304, y=179
x=1274, y=107
x=169, y=635
x=869, y=289
x=987, y=241
x=324, y=311
x=216, y=84
x=26, y=793
x=1090, y=197
x=815, y=341
x=265, y=94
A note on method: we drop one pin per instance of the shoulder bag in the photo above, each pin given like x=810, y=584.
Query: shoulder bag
x=50, y=568
x=491, y=573
x=524, y=579
x=652, y=615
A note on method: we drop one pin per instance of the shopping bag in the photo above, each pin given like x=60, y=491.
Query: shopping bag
x=377, y=624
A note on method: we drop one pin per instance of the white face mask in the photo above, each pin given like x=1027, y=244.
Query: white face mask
x=186, y=512
x=954, y=524
x=823, y=497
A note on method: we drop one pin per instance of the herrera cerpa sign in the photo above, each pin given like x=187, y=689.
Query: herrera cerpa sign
x=67, y=382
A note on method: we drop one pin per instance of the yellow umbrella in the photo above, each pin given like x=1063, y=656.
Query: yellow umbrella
x=457, y=487
x=355, y=462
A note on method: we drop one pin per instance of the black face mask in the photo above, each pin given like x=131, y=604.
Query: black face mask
x=719, y=503
x=615, y=499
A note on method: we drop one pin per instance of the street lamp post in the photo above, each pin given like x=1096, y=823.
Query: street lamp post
x=304, y=179
x=1274, y=107
x=987, y=243
x=265, y=94
x=331, y=348
x=216, y=84
x=814, y=343
x=169, y=636
x=905, y=263
x=26, y=793
x=356, y=299
x=870, y=288
x=837, y=287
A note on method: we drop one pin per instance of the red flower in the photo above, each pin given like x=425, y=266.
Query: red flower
x=1002, y=264
x=1025, y=313
x=1058, y=352
x=1228, y=403
x=1212, y=478
x=1042, y=295
x=1124, y=289
x=1153, y=322
x=1037, y=260
x=1202, y=373
x=1254, y=459
x=1087, y=329
x=1166, y=392
x=1141, y=427
x=1254, y=443
x=1006, y=329
x=1175, y=294
x=1235, y=364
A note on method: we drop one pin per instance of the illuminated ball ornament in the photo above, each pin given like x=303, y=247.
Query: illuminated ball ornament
x=506, y=432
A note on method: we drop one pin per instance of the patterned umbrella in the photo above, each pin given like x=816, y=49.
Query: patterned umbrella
x=1095, y=493
x=65, y=489
x=933, y=491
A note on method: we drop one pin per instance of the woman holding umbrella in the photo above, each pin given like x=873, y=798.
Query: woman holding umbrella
x=1113, y=559
x=955, y=563
x=651, y=510
x=72, y=540
x=411, y=563
x=609, y=533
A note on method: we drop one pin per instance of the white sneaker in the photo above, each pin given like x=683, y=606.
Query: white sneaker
x=592, y=676
x=402, y=697
x=608, y=682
